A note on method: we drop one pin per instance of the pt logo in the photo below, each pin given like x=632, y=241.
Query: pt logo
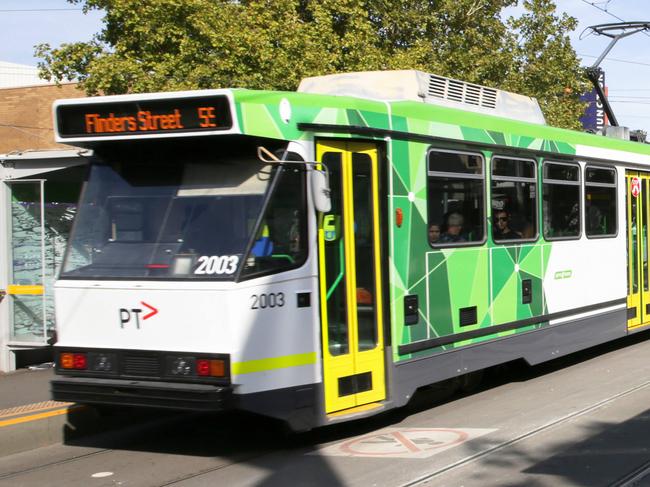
x=128, y=316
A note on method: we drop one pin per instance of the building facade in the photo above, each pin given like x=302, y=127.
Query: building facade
x=26, y=116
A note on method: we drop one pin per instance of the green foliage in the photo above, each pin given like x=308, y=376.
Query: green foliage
x=160, y=45
x=545, y=65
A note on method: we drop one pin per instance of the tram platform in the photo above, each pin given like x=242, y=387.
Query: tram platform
x=29, y=419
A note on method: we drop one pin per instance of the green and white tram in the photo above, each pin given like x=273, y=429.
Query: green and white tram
x=319, y=255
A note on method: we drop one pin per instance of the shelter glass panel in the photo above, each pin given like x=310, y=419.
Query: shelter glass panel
x=27, y=262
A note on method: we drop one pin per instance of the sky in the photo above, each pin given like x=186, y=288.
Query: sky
x=25, y=23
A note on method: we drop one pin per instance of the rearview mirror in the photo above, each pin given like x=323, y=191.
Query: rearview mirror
x=320, y=190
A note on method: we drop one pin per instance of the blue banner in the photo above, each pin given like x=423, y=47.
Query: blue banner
x=594, y=118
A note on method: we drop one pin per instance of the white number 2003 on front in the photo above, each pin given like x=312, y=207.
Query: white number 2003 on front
x=216, y=264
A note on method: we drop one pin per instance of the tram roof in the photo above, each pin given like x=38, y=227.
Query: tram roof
x=300, y=116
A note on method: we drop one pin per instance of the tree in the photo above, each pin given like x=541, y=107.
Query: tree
x=545, y=65
x=158, y=45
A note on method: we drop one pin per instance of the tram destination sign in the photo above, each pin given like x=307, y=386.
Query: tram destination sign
x=140, y=117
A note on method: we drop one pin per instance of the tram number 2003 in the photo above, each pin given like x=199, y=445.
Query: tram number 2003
x=267, y=300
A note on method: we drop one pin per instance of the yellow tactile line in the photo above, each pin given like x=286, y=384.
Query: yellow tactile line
x=35, y=417
x=29, y=408
x=63, y=408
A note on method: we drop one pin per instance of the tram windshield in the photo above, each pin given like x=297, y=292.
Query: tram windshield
x=184, y=215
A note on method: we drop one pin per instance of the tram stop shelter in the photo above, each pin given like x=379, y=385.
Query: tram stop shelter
x=38, y=200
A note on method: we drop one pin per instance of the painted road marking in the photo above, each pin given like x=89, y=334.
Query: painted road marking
x=101, y=475
x=403, y=442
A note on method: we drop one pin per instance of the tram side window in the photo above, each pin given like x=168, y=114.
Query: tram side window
x=561, y=200
x=514, y=199
x=281, y=241
x=600, y=202
x=456, y=212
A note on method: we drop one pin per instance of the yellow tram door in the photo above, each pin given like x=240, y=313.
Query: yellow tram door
x=350, y=278
x=638, y=288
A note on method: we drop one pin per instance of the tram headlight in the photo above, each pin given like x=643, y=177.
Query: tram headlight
x=102, y=362
x=181, y=366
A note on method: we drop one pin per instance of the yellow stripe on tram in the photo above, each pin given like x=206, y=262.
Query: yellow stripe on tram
x=265, y=364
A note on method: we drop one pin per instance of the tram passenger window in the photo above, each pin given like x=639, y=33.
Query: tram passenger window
x=456, y=212
x=600, y=202
x=514, y=199
x=561, y=200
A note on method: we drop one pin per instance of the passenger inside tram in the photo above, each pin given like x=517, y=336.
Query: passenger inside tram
x=501, y=228
x=453, y=232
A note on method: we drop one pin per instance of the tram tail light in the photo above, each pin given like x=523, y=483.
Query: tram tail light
x=77, y=361
x=192, y=367
x=203, y=367
x=80, y=361
x=66, y=361
x=210, y=368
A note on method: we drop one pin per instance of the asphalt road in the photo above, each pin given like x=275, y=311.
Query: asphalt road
x=578, y=421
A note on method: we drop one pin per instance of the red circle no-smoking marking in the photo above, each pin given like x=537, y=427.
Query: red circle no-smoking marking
x=635, y=186
x=404, y=442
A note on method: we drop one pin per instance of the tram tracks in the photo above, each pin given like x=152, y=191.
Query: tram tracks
x=633, y=478
x=627, y=481
x=14, y=474
x=119, y=437
x=121, y=441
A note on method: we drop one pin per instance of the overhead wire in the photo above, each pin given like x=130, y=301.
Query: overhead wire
x=21, y=129
x=8, y=10
x=604, y=10
x=593, y=4
x=11, y=126
x=629, y=98
x=626, y=61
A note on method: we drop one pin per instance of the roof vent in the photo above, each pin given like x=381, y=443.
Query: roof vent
x=461, y=92
x=429, y=88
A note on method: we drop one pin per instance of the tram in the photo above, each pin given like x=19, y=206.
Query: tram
x=317, y=256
